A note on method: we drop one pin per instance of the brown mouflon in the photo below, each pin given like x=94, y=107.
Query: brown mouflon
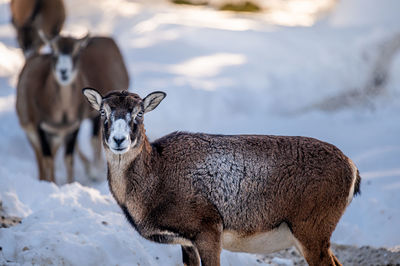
x=103, y=67
x=245, y=193
x=49, y=104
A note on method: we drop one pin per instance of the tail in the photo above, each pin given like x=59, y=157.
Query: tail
x=355, y=182
x=357, y=190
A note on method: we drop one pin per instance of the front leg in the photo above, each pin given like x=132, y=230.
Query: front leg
x=69, y=154
x=209, y=246
x=46, y=160
x=190, y=256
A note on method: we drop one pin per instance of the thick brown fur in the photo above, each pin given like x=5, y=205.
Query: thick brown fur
x=30, y=16
x=189, y=189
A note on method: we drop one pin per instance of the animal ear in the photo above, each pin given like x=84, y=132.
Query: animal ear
x=152, y=100
x=93, y=97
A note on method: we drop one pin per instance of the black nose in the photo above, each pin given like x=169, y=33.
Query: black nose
x=63, y=71
x=119, y=140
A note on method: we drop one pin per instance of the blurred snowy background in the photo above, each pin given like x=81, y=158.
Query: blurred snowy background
x=326, y=69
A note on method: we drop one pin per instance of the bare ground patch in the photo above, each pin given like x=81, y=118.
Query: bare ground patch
x=347, y=255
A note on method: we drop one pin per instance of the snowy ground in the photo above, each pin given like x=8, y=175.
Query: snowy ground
x=223, y=73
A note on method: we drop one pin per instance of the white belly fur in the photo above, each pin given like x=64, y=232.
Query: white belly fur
x=260, y=243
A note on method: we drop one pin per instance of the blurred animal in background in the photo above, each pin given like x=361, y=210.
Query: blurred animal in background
x=30, y=16
x=50, y=105
x=244, y=193
x=103, y=66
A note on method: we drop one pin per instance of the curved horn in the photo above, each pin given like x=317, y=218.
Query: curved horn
x=85, y=39
x=46, y=40
x=81, y=43
x=43, y=37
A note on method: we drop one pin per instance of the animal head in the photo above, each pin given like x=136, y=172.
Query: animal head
x=122, y=116
x=65, y=52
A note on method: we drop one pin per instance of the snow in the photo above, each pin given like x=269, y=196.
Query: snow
x=280, y=261
x=223, y=73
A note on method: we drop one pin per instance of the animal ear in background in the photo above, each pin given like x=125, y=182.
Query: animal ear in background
x=151, y=101
x=93, y=97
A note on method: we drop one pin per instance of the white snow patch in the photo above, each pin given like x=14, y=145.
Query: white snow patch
x=207, y=66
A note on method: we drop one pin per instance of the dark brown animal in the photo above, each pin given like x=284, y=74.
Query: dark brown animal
x=30, y=16
x=103, y=66
x=246, y=193
x=50, y=106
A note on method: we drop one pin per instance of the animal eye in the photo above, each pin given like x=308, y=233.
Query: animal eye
x=102, y=112
x=140, y=114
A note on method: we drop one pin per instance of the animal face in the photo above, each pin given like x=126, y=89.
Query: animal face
x=65, y=69
x=66, y=52
x=122, y=117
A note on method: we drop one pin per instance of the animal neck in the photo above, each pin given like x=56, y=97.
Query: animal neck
x=64, y=92
x=133, y=165
x=64, y=106
x=136, y=156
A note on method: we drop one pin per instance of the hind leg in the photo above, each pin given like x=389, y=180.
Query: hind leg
x=316, y=251
x=84, y=159
x=337, y=262
x=94, y=168
x=312, y=239
x=96, y=142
